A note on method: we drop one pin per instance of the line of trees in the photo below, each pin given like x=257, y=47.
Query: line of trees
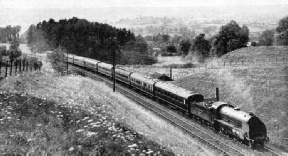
x=282, y=30
x=84, y=38
x=267, y=38
x=9, y=33
x=231, y=37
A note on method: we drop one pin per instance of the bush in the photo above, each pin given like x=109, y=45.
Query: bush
x=186, y=65
x=131, y=57
x=57, y=59
x=171, y=49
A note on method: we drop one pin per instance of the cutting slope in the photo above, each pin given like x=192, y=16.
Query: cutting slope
x=255, y=78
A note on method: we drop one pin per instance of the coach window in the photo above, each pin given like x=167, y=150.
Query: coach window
x=174, y=97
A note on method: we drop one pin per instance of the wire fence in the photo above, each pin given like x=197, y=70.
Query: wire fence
x=272, y=62
x=269, y=61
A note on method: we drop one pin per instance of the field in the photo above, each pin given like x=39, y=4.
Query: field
x=44, y=113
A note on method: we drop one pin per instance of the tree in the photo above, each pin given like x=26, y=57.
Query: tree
x=171, y=48
x=14, y=50
x=148, y=38
x=282, y=30
x=165, y=38
x=201, y=45
x=185, y=46
x=138, y=45
x=176, y=38
x=57, y=59
x=266, y=38
x=83, y=38
x=230, y=37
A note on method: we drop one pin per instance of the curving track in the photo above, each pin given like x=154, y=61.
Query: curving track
x=195, y=132
x=192, y=130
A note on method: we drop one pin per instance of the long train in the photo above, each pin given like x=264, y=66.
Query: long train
x=221, y=116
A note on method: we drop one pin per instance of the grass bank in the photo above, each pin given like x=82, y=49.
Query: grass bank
x=72, y=115
x=37, y=125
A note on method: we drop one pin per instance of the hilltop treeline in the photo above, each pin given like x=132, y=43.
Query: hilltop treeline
x=89, y=39
x=9, y=33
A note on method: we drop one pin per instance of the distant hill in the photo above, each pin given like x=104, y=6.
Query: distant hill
x=255, y=78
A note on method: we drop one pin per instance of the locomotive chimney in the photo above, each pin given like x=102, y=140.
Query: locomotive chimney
x=217, y=94
x=170, y=72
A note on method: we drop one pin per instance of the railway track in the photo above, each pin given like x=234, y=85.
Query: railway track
x=193, y=131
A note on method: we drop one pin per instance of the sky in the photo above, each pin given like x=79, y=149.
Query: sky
x=27, y=12
x=128, y=3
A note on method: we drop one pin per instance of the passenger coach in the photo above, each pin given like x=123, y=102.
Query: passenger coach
x=177, y=96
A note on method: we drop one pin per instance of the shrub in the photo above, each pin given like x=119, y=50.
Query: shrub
x=57, y=59
x=186, y=65
x=131, y=57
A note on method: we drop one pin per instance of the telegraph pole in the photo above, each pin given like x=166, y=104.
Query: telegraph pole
x=67, y=62
x=114, y=48
x=114, y=63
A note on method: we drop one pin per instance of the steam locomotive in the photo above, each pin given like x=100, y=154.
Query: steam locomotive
x=221, y=116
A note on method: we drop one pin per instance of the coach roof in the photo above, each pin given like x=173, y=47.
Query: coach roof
x=175, y=89
x=105, y=65
x=143, y=78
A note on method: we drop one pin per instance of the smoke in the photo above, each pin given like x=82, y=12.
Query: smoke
x=236, y=88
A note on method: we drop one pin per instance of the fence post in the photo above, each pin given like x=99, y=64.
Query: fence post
x=34, y=66
x=11, y=65
x=16, y=62
x=31, y=67
x=23, y=64
x=6, y=72
x=0, y=67
x=20, y=65
x=27, y=66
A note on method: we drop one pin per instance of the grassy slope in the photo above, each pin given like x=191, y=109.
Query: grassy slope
x=35, y=123
x=259, y=86
x=65, y=129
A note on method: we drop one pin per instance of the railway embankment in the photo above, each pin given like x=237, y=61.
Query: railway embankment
x=254, y=79
x=46, y=113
